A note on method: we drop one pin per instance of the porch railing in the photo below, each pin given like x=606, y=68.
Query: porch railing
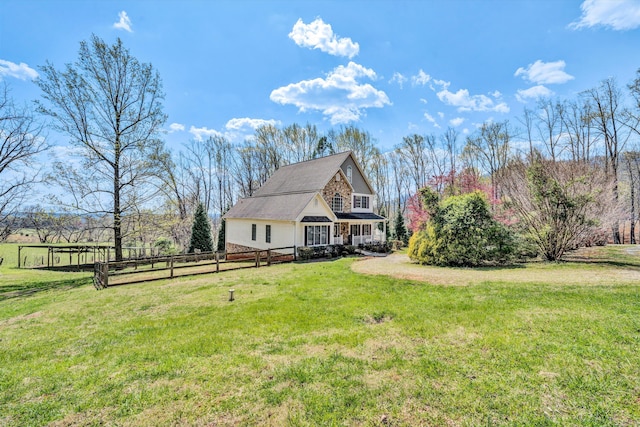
x=361, y=240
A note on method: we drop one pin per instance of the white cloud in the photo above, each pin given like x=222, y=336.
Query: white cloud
x=203, y=132
x=246, y=122
x=20, y=71
x=523, y=95
x=124, y=23
x=457, y=121
x=441, y=114
x=399, y=79
x=431, y=120
x=442, y=83
x=318, y=35
x=545, y=72
x=421, y=78
x=617, y=14
x=176, y=127
x=466, y=102
x=339, y=96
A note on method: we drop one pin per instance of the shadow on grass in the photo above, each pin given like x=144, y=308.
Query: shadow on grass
x=605, y=262
x=18, y=290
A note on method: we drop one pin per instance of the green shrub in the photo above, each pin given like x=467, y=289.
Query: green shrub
x=461, y=232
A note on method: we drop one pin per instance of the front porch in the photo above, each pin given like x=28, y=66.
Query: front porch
x=359, y=233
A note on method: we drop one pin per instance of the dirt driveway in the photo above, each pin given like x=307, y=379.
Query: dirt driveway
x=400, y=266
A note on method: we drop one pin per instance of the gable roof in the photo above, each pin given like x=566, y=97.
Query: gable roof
x=284, y=207
x=303, y=177
x=291, y=188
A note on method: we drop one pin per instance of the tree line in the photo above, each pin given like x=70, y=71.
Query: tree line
x=110, y=107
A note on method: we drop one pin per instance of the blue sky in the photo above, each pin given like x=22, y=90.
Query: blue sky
x=391, y=68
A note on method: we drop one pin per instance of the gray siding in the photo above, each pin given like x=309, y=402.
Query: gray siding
x=359, y=184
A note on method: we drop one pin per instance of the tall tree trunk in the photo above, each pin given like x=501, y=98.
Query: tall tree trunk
x=117, y=212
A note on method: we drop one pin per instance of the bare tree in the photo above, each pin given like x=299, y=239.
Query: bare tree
x=577, y=117
x=247, y=169
x=110, y=105
x=359, y=141
x=21, y=141
x=631, y=163
x=300, y=142
x=380, y=180
x=491, y=146
x=608, y=121
x=43, y=222
x=527, y=120
x=413, y=153
x=550, y=126
x=450, y=143
x=268, y=150
x=634, y=112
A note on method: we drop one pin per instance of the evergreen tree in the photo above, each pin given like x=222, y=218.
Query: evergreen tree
x=201, y=232
x=221, y=235
x=399, y=230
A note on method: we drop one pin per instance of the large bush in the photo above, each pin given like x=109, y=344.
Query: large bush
x=460, y=232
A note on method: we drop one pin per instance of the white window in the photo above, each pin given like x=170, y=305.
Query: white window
x=366, y=229
x=350, y=174
x=316, y=235
x=267, y=234
x=361, y=202
x=337, y=203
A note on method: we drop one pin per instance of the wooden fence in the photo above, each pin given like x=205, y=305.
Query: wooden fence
x=75, y=256
x=140, y=270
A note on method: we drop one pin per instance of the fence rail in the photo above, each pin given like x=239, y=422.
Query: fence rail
x=140, y=270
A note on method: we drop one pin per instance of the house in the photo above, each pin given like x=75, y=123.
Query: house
x=318, y=202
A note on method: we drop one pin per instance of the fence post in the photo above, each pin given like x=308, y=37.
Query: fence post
x=171, y=261
x=105, y=275
x=257, y=259
x=268, y=257
x=295, y=253
x=217, y=262
x=19, y=249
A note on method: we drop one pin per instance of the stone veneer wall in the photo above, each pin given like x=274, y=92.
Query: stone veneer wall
x=234, y=247
x=341, y=187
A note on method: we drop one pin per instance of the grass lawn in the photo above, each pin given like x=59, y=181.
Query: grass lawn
x=319, y=344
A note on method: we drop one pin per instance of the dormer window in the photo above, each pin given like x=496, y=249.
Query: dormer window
x=350, y=174
x=336, y=204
